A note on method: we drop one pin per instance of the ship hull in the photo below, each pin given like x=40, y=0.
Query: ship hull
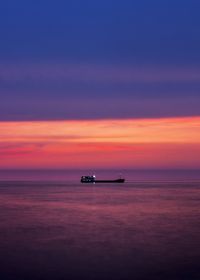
x=110, y=181
x=104, y=181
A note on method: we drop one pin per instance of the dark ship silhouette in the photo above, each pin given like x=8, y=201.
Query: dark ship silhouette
x=92, y=179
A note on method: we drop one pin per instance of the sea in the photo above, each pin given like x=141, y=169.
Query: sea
x=54, y=227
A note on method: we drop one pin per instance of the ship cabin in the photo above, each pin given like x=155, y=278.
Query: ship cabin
x=88, y=179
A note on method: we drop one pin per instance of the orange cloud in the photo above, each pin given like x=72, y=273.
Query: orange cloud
x=143, y=143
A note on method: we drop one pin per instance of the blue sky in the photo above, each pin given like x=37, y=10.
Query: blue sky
x=99, y=59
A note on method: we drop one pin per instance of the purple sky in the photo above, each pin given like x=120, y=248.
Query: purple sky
x=107, y=59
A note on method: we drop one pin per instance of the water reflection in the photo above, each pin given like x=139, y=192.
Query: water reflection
x=99, y=232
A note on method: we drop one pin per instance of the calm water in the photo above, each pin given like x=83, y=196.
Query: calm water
x=61, y=230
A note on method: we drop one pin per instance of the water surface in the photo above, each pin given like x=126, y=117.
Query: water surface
x=62, y=230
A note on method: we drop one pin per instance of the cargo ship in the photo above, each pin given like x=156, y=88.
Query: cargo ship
x=92, y=179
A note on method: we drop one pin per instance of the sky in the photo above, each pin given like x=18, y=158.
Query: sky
x=94, y=63
x=139, y=143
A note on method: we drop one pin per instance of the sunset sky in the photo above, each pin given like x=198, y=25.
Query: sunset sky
x=112, y=84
